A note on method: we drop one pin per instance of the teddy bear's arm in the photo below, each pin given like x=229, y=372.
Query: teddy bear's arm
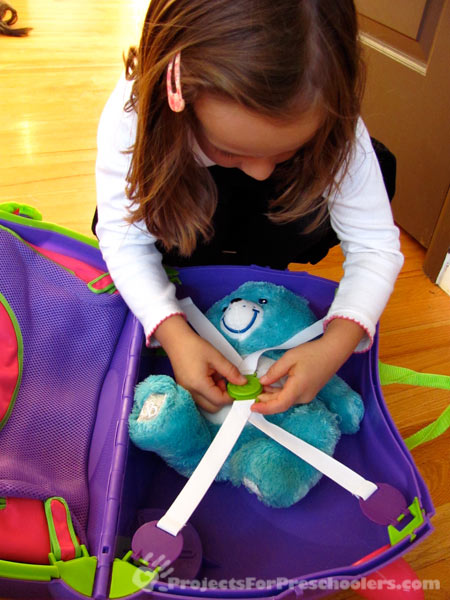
x=347, y=404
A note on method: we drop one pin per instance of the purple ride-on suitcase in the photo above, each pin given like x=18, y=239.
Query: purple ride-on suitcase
x=249, y=550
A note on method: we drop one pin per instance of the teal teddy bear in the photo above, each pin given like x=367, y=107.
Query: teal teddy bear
x=165, y=419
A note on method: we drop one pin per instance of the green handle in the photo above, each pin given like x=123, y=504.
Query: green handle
x=392, y=374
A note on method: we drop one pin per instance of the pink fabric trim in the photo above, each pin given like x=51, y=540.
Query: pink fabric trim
x=80, y=269
x=333, y=317
x=149, y=336
x=9, y=362
x=60, y=522
x=102, y=282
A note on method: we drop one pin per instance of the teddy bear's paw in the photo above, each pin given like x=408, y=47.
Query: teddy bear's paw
x=252, y=487
x=277, y=477
x=151, y=398
x=165, y=420
x=151, y=407
x=344, y=402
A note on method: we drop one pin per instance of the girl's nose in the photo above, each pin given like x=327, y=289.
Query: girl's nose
x=258, y=168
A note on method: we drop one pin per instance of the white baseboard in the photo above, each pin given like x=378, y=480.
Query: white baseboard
x=443, y=279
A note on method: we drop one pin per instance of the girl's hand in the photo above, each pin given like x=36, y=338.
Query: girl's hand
x=308, y=367
x=197, y=365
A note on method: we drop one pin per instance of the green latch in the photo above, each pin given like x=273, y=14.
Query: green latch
x=417, y=512
x=128, y=578
x=78, y=573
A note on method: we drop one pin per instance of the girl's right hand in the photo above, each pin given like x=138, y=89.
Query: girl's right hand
x=197, y=365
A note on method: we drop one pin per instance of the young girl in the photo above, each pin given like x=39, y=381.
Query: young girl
x=235, y=138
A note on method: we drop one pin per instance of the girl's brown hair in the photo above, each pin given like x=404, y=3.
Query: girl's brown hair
x=267, y=55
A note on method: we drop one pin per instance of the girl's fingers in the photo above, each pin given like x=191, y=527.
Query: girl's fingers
x=210, y=395
x=270, y=404
x=270, y=389
x=205, y=404
x=275, y=400
x=223, y=367
x=214, y=393
x=229, y=371
x=221, y=384
x=278, y=370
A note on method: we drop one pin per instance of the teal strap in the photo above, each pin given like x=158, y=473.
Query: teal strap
x=392, y=374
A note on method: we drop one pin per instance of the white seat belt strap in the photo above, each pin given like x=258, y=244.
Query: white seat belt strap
x=248, y=365
x=329, y=466
x=207, y=331
x=250, y=362
x=205, y=472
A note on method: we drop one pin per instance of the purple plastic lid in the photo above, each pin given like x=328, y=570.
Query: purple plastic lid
x=385, y=505
x=157, y=547
x=188, y=564
x=184, y=562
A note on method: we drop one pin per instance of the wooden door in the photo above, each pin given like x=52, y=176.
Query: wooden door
x=407, y=106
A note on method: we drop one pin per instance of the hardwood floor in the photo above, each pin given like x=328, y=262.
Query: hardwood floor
x=53, y=86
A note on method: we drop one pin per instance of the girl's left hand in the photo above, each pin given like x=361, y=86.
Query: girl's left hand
x=308, y=368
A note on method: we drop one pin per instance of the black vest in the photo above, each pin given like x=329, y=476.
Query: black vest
x=243, y=235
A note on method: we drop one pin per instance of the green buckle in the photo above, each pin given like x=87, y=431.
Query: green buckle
x=248, y=391
x=397, y=535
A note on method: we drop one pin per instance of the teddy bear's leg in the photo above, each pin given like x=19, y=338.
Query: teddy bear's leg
x=249, y=434
x=347, y=404
x=273, y=473
x=165, y=420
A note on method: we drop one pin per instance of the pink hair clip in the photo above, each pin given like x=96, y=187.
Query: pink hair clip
x=175, y=98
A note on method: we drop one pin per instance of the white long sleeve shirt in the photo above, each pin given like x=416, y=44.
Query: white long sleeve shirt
x=360, y=214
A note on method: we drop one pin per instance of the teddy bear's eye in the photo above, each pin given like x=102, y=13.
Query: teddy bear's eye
x=262, y=301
